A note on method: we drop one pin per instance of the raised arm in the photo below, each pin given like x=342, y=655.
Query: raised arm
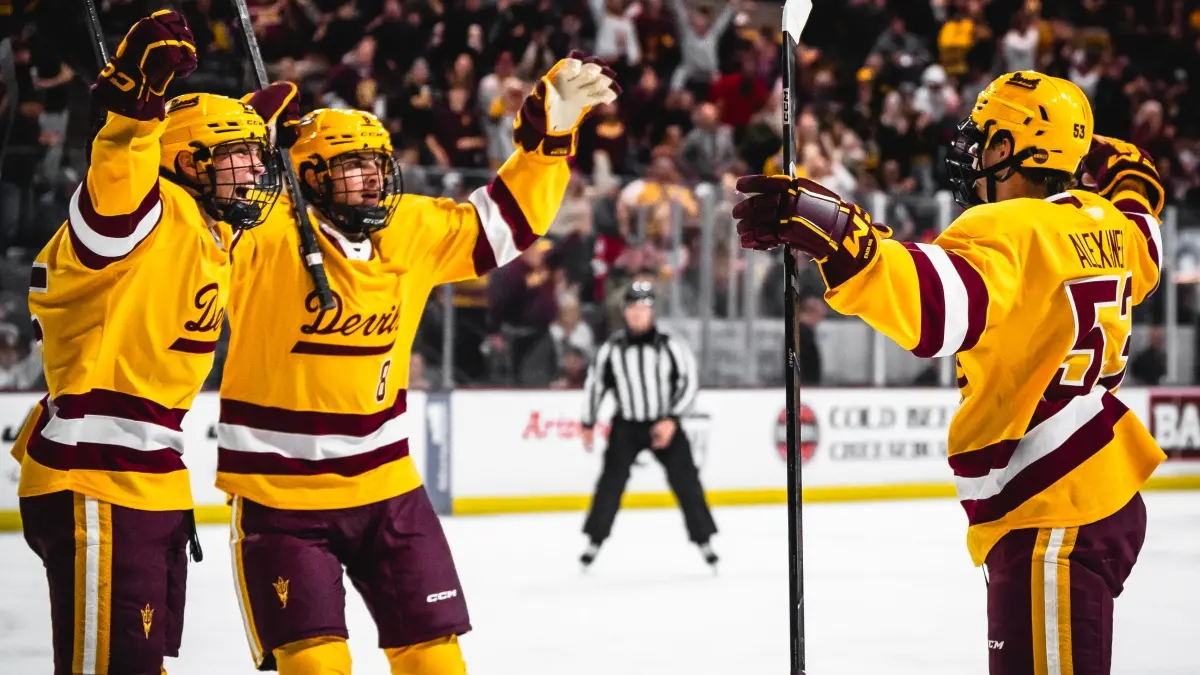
x=118, y=204
x=497, y=222
x=1125, y=174
x=930, y=298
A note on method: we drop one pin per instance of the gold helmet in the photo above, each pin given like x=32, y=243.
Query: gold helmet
x=208, y=126
x=343, y=159
x=1047, y=119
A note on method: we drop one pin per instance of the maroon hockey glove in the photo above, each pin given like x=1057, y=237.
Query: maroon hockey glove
x=807, y=216
x=560, y=101
x=277, y=103
x=1110, y=162
x=156, y=50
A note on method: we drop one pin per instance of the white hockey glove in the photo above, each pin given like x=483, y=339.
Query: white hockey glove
x=559, y=103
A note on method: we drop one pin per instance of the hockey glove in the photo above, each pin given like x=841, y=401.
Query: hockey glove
x=1111, y=162
x=279, y=108
x=559, y=103
x=807, y=216
x=155, y=51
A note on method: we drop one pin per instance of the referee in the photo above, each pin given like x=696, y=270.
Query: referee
x=655, y=380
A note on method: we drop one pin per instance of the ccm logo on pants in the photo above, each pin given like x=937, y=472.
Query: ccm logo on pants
x=444, y=595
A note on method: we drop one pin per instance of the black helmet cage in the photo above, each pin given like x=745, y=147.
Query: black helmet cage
x=964, y=163
x=332, y=196
x=251, y=202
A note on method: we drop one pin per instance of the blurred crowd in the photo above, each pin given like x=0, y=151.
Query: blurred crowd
x=882, y=85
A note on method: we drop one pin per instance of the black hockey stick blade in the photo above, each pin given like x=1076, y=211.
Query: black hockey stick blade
x=309, y=249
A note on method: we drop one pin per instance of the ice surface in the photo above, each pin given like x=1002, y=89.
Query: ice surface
x=890, y=589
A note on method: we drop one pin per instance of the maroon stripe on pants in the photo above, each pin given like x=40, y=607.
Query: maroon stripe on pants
x=1085, y=442
x=933, y=304
x=148, y=568
x=271, y=464
x=115, y=404
x=310, y=423
x=1098, y=565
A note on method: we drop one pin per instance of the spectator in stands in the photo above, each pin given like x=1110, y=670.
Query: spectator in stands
x=708, y=148
x=698, y=36
x=573, y=371
x=616, y=37
x=569, y=330
x=18, y=373
x=522, y=303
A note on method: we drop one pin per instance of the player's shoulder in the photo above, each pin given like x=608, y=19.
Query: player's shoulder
x=1028, y=217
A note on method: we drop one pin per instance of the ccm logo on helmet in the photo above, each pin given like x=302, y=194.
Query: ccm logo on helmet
x=444, y=595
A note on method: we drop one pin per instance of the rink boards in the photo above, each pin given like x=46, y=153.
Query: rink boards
x=504, y=451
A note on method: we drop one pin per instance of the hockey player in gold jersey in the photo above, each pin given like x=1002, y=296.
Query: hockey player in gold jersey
x=127, y=300
x=313, y=432
x=1031, y=290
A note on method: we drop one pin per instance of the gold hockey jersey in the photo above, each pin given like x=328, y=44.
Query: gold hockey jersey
x=313, y=403
x=127, y=301
x=1034, y=297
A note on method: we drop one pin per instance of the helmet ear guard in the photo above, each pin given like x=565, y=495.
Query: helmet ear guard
x=965, y=163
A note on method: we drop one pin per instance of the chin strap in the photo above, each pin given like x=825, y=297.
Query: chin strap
x=990, y=174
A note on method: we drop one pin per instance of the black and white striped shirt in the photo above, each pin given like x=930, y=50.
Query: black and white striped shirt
x=654, y=376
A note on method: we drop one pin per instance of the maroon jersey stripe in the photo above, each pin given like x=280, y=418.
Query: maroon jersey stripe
x=1066, y=198
x=117, y=226
x=115, y=404
x=933, y=304
x=265, y=463
x=977, y=300
x=108, y=226
x=1083, y=444
x=193, y=346
x=523, y=234
x=309, y=422
x=326, y=349
x=483, y=255
x=98, y=456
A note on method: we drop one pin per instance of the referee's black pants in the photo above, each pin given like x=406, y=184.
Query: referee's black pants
x=625, y=441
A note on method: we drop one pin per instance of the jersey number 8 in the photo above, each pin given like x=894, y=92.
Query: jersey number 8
x=381, y=388
x=1087, y=296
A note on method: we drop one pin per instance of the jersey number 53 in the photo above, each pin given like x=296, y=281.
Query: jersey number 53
x=1084, y=366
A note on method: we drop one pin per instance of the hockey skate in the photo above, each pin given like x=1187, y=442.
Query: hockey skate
x=589, y=554
x=710, y=556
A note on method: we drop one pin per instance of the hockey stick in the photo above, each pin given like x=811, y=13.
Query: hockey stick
x=98, y=46
x=795, y=15
x=308, y=238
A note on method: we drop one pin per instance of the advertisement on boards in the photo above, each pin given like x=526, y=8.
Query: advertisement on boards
x=1174, y=420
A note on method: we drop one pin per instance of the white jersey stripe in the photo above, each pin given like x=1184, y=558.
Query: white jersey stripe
x=309, y=447
x=954, y=293
x=110, y=247
x=497, y=229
